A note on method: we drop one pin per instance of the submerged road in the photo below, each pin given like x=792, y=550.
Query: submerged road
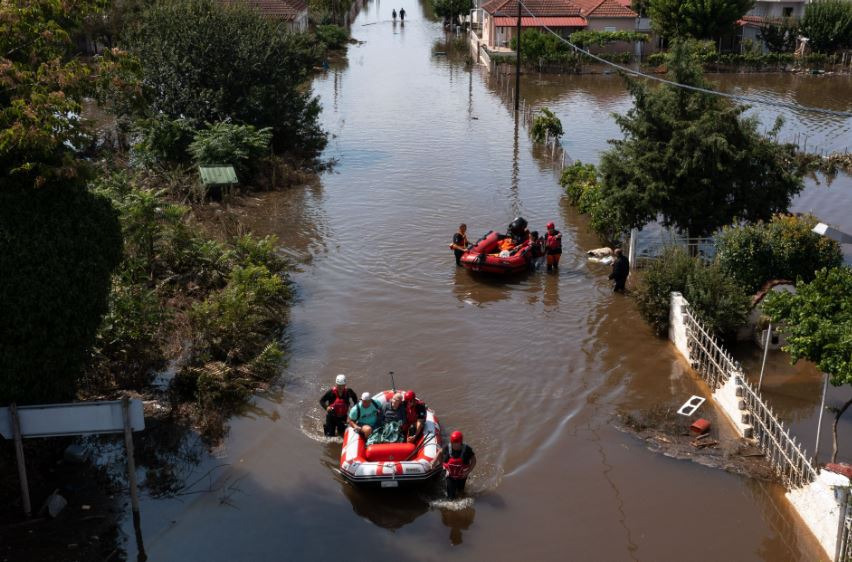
x=534, y=371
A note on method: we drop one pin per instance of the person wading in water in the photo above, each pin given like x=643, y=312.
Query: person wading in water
x=459, y=460
x=459, y=245
x=620, y=270
x=402, y=14
x=336, y=403
x=552, y=246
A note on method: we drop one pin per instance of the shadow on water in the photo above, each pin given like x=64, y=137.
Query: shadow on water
x=479, y=289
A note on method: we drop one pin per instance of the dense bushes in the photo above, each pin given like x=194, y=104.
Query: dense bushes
x=828, y=25
x=333, y=37
x=582, y=187
x=230, y=144
x=58, y=245
x=784, y=248
x=226, y=301
x=714, y=297
x=208, y=63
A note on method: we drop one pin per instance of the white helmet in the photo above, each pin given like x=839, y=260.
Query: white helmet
x=340, y=380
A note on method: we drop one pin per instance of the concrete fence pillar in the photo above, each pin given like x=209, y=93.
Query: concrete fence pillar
x=677, y=327
x=822, y=505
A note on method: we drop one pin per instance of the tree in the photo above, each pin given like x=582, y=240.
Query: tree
x=779, y=36
x=828, y=25
x=208, y=63
x=450, y=10
x=699, y=19
x=784, y=248
x=59, y=243
x=538, y=47
x=692, y=160
x=545, y=124
x=817, y=322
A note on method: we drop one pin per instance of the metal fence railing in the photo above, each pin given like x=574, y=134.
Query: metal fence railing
x=716, y=366
x=650, y=247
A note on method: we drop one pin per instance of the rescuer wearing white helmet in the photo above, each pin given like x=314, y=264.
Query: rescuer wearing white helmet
x=336, y=403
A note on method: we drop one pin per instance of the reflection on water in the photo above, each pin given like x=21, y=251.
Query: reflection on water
x=458, y=521
x=390, y=508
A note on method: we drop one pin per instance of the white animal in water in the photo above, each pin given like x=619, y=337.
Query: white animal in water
x=599, y=252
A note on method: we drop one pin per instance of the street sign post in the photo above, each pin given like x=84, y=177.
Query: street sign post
x=76, y=418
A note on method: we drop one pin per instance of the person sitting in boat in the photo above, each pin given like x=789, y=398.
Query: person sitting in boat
x=415, y=416
x=459, y=460
x=518, y=231
x=364, y=416
x=336, y=403
x=392, y=422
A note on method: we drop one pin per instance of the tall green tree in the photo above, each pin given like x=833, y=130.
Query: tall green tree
x=692, y=160
x=59, y=243
x=779, y=36
x=699, y=19
x=207, y=62
x=817, y=321
x=450, y=10
x=828, y=25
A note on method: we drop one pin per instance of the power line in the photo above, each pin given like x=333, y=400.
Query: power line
x=744, y=99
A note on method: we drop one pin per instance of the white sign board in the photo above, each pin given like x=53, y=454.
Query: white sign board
x=77, y=418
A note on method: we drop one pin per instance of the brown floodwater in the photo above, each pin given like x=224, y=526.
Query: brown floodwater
x=534, y=370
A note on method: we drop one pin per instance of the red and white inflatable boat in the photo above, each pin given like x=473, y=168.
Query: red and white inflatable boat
x=391, y=463
x=486, y=256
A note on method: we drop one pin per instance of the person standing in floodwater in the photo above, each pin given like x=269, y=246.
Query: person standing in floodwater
x=393, y=14
x=336, y=403
x=460, y=245
x=402, y=14
x=459, y=460
x=620, y=270
x=552, y=246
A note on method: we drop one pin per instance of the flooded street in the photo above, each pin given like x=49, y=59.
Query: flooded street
x=534, y=371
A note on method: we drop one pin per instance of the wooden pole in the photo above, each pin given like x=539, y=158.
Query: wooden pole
x=19, y=454
x=518, y=60
x=131, y=478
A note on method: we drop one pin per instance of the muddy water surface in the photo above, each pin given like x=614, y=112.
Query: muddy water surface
x=533, y=370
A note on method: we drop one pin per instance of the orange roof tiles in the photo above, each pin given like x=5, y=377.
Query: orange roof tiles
x=570, y=21
x=605, y=9
x=539, y=8
x=287, y=10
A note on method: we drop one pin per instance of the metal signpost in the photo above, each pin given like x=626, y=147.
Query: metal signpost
x=77, y=418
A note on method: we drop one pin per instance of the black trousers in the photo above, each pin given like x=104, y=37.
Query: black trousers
x=458, y=254
x=455, y=486
x=619, y=284
x=334, y=423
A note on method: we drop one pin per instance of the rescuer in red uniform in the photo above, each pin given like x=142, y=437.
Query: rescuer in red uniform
x=459, y=460
x=415, y=416
x=336, y=403
x=552, y=246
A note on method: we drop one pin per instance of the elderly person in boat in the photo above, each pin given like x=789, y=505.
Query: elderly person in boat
x=393, y=418
x=365, y=416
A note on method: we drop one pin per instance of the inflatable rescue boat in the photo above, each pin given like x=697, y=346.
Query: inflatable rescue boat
x=388, y=464
x=496, y=253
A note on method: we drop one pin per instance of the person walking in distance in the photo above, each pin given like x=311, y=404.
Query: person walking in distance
x=459, y=461
x=552, y=246
x=402, y=14
x=620, y=270
x=460, y=244
x=393, y=14
x=336, y=403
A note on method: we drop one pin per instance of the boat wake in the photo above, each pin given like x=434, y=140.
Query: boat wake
x=317, y=435
x=452, y=505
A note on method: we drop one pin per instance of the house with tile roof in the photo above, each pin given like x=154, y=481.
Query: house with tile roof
x=765, y=11
x=294, y=13
x=500, y=17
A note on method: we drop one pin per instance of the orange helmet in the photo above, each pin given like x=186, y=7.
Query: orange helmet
x=456, y=437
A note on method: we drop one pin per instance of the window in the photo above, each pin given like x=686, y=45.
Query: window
x=609, y=29
x=788, y=12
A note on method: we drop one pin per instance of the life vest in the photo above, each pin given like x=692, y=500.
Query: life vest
x=506, y=244
x=411, y=414
x=340, y=406
x=455, y=466
x=553, y=243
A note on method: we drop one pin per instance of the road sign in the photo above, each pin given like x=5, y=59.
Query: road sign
x=76, y=418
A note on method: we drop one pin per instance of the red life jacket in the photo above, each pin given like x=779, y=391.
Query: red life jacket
x=553, y=243
x=411, y=413
x=340, y=406
x=455, y=466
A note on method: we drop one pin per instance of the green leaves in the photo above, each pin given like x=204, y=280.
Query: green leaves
x=698, y=19
x=231, y=144
x=817, y=321
x=451, y=9
x=545, y=124
x=580, y=182
x=692, y=160
x=828, y=25
x=207, y=63
x=601, y=38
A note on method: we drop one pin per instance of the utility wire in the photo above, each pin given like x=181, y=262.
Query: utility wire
x=744, y=99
